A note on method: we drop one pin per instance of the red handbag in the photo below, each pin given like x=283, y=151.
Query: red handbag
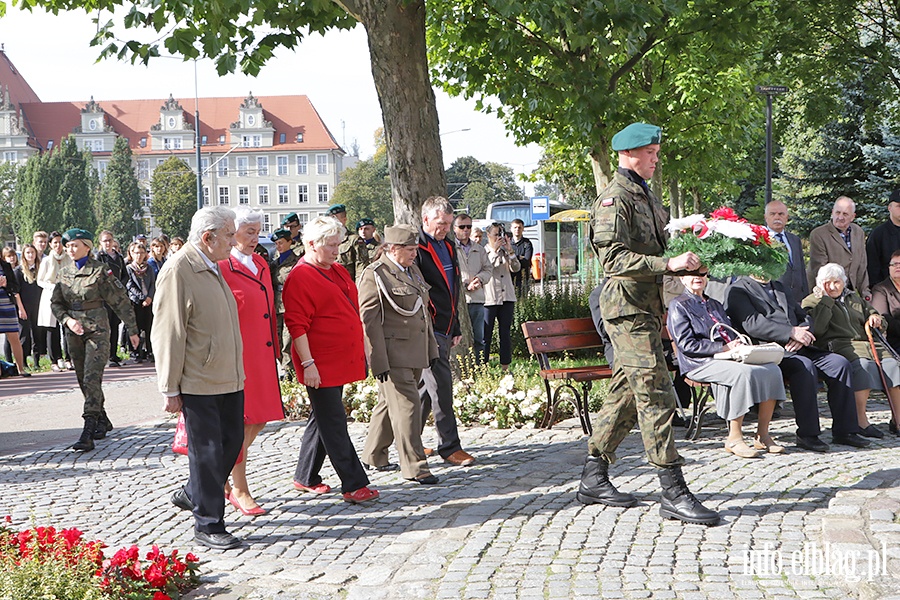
x=180, y=443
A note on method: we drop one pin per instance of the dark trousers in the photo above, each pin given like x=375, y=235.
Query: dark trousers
x=215, y=431
x=327, y=435
x=504, y=314
x=802, y=371
x=437, y=397
x=143, y=316
x=114, y=323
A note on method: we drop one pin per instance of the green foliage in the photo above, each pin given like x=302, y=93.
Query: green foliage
x=75, y=196
x=7, y=194
x=366, y=191
x=726, y=257
x=559, y=300
x=472, y=185
x=174, y=190
x=119, y=197
x=36, y=198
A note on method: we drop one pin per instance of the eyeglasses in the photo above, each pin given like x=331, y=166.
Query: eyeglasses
x=469, y=226
x=894, y=264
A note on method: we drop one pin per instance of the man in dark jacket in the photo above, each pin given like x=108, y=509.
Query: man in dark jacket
x=883, y=241
x=115, y=264
x=440, y=268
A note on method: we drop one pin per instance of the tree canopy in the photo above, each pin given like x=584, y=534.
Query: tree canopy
x=119, y=197
x=174, y=189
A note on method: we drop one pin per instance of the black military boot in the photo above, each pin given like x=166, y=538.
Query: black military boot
x=104, y=426
x=677, y=501
x=596, y=488
x=86, y=442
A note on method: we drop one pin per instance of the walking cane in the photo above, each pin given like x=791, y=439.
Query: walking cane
x=880, y=370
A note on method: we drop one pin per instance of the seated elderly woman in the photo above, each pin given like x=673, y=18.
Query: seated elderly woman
x=839, y=319
x=886, y=300
x=735, y=386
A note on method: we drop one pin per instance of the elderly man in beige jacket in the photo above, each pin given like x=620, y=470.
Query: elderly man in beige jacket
x=843, y=242
x=474, y=272
x=199, y=367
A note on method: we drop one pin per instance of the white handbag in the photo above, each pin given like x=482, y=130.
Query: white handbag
x=761, y=354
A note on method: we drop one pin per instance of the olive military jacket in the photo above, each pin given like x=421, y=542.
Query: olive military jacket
x=840, y=327
x=629, y=237
x=279, y=275
x=347, y=253
x=80, y=294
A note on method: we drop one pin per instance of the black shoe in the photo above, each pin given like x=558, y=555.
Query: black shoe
x=812, y=443
x=382, y=468
x=426, y=480
x=86, y=442
x=104, y=426
x=776, y=414
x=871, y=432
x=851, y=439
x=217, y=541
x=114, y=363
x=678, y=421
x=181, y=500
x=677, y=501
x=596, y=488
x=892, y=427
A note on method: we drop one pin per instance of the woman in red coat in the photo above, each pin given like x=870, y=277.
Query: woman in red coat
x=321, y=312
x=248, y=276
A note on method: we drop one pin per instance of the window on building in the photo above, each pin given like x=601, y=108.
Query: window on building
x=302, y=192
x=243, y=194
x=222, y=167
x=224, y=195
x=304, y=218
x=160, y=161
x=302, y=164
x=205, y=195
x=267, y=224
x=93, y=145
x=222, y=139
x=49, y=145
x=172, y=143
x=243, y=166
x=146, y=197
x=284, y=197
x=204, y=165
x=143, y=169
x=10, y=156
x=282, y=162
x=262, y=192
x=299, y=138
x=101, y=168
x=203, y=139
x=281, y=138
x=321, y=164
x=323, y=193
x=262, y=166
x=251, y=141
x=143, y=142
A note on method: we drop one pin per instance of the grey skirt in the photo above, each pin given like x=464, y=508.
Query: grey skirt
x=736, y=386
x=866, y=377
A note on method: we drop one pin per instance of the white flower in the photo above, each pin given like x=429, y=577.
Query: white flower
x=684, y=223
x=738, y=231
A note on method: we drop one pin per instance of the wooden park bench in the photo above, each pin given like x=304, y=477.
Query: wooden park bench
x=550, y=337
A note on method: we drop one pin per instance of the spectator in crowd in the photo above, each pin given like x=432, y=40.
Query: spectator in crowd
x=393, y=300
x=110, y=256
x=843, y=242
x=40, y=239
x=292, y=223
x=883, y=241
x=439, y=266
x=348, y=244
x=175, y=246
x=839, y=320
x=736, y=386
x=11, y=310
x=280, y=268
x=794, y=277
x=159, y=247
x=886, y=300
x=83, y=288
x=478, y=236
x=767, y=312
x=9, y=256
x=368, y=244
x=248, y=276
x=475, y=271
x=524, y=251
x=199, y=370
x=140, y=282
x=322, y=315
x=33, y=342
x=499, y=293
x=47, y=277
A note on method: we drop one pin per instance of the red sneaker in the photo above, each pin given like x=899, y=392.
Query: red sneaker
x=319, y=488
x=363, y=494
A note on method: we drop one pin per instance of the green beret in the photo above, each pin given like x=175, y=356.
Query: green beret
x=365, y=221
x=280, y=234
x=404, y=235
x=335, y=209
x=77, y=234
x=636, y=135
x=289, y=218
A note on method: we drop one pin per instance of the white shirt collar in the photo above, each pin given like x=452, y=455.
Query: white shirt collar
x=205, y=258
x=245, y=259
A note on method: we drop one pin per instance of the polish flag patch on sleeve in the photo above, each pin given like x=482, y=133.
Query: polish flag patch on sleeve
x=607, y=202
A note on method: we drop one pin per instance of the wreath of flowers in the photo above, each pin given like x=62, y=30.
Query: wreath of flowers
x=728, y=245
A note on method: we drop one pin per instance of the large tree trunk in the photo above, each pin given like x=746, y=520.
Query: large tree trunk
x=676, y=201
x=396, y=33
x=601, y=165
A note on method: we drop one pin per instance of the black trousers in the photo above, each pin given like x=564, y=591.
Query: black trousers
x=504, y=314
x=327, y=435
x=114, y=322
x=215, y=431
x=802, y=371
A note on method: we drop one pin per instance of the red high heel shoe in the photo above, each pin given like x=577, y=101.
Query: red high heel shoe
x=250, y=512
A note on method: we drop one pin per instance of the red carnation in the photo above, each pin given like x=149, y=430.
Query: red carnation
x=726, y=214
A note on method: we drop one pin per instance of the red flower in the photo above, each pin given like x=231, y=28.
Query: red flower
x=161, y=596
x=726, y=214
x=762, y=235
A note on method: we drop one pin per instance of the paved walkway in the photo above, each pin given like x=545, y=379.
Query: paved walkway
x=798, y=525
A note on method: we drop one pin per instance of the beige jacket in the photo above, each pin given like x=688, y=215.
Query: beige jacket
x=500, y=288
x=196, y=335
x=472, y=265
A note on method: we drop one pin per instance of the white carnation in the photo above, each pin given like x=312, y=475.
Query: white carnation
x=684, y=223
x=738, y=231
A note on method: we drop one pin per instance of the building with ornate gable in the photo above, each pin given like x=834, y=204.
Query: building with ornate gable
x=272, y=153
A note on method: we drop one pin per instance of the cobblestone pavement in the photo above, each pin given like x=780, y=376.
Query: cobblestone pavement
x=797, y=525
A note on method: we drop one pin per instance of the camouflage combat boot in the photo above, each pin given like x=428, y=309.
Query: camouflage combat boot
x=677, y=501
x=596, y=488
x=104, y=426
x=86, y=442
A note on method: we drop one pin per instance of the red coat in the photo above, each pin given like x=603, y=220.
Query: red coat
x=323, y=304
x=256, y=315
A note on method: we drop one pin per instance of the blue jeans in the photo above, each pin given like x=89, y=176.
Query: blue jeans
x=476, y=315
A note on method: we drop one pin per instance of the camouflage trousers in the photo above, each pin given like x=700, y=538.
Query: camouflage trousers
x=89, y=354
x=286, y=342
x=640, y=391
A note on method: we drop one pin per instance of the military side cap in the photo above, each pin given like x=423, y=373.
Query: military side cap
x=636, y=135
x=404, y=235
x=289, y=218
x=280, y=234
x=895, y=196
x=365, y=221
x=77, y=234
x=336, y=209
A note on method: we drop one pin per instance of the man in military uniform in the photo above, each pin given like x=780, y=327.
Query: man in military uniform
x=627, y=224
x=292, y=224
x=83, y=286
x=280, y=267
x=348, y=247
x=367, y=244
x=115, y=264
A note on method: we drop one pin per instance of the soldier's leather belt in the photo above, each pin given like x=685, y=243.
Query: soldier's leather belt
x=87, y=305
x=640, y=278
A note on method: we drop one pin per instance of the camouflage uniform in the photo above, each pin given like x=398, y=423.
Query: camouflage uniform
x=80, y=294
x=280, y=272
x=365, y=254
x=297, y=248
x=627, y=232
x=348, y=252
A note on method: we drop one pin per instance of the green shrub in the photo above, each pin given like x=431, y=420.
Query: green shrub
x=560, y=300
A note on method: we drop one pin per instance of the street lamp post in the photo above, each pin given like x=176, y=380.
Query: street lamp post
x=769, y=91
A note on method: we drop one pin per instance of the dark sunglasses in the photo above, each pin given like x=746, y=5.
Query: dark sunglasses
x=469, y=226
